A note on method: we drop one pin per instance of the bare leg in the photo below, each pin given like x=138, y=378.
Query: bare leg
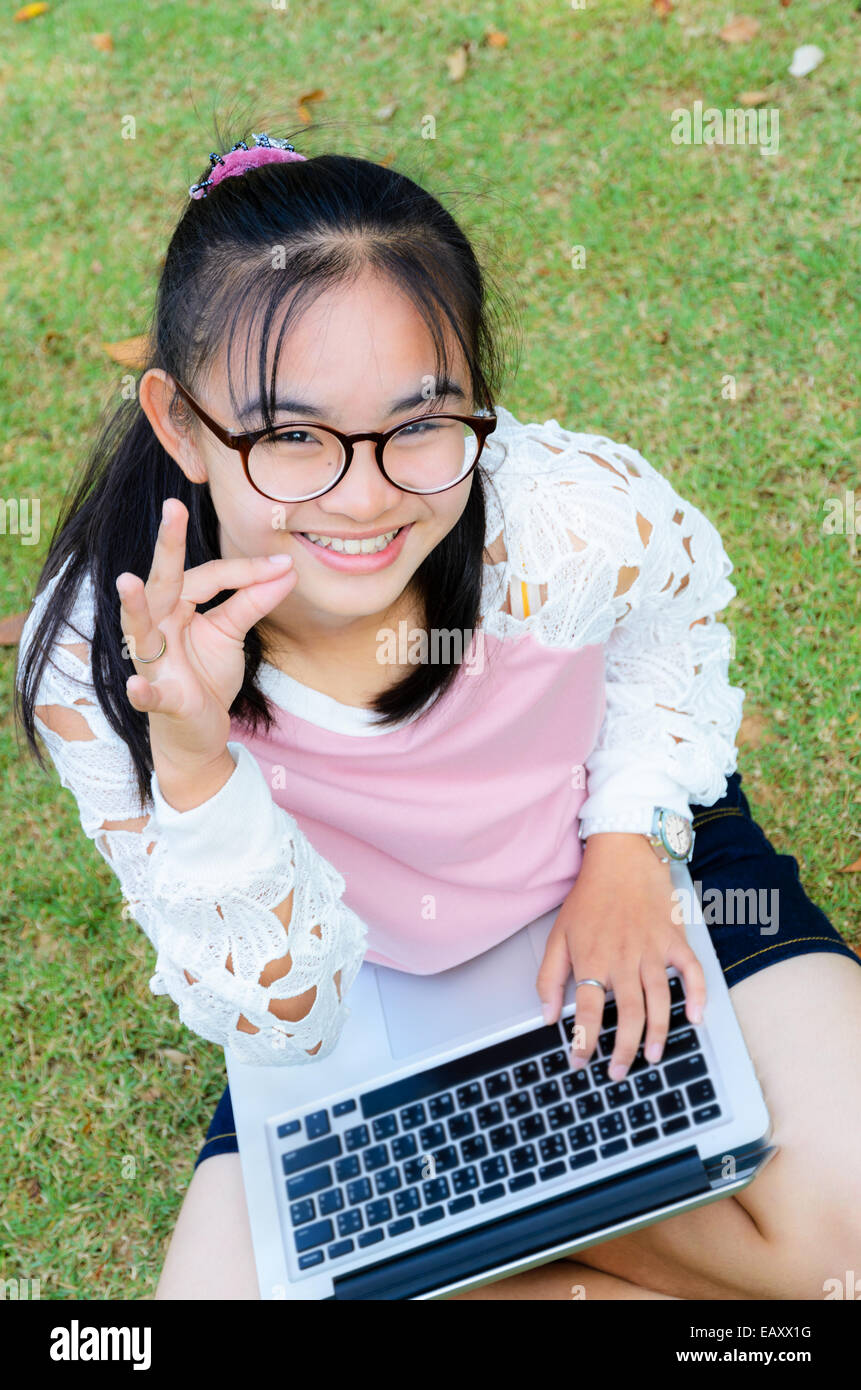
x=797, y=1224
x=210, y=1254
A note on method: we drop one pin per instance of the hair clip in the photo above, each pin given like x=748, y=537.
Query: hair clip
x=239, y=159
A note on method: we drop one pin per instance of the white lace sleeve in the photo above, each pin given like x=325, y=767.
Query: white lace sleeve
x=206, y=893
x=668, y=736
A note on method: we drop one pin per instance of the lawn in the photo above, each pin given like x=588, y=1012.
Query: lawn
x=710, y=326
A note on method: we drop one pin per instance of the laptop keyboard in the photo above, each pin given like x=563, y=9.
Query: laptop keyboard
x=463, y=1135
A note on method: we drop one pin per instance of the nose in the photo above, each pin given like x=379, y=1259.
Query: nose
x=363, y=492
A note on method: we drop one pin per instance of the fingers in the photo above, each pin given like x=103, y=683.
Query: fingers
x=164, y=583
x=247, y=606
x=140, y=632
x=163, y=698
x=631, y=1017
x=214, y=576
x=587, y=1019
x=555, y=969
x=686, y=962
x=657, y=990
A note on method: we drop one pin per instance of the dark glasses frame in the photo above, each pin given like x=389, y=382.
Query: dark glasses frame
x=482, y=424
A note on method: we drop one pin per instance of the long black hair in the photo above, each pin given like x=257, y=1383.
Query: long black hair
x=334, y=215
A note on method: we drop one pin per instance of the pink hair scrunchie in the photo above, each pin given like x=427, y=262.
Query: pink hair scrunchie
x=240, y=159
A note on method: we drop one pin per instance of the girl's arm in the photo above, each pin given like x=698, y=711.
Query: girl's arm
x=253, y=941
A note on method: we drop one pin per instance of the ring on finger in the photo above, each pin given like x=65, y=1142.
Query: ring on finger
x=599, y=983
x=147, y=659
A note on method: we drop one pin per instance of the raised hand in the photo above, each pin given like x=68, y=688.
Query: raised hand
x=188, y=691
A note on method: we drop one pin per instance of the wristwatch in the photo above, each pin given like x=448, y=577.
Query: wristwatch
x=671, y=836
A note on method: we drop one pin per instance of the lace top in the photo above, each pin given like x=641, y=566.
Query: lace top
x=596, y=687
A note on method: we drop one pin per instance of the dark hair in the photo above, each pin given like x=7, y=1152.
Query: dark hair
x=336, y=216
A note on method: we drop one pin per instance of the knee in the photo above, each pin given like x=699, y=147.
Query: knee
x=818, y=1253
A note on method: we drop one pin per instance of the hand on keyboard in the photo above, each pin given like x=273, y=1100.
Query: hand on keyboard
x=617, y=926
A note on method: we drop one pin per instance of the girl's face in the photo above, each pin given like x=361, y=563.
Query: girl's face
x=351, y=358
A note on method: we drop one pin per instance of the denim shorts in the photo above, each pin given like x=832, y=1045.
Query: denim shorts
x=752, y=901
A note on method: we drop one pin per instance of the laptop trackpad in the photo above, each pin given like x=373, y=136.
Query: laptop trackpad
x=490, y=991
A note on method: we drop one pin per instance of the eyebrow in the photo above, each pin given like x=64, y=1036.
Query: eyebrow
x=305, y=409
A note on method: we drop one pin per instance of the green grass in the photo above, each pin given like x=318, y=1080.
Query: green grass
x=701, y=262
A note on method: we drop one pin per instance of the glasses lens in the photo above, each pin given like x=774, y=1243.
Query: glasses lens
x=295, y=461
x=430, y=453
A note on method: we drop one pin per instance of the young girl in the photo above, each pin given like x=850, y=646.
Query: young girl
x=338, y=656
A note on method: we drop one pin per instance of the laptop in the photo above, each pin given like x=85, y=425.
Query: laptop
x=446, y=1142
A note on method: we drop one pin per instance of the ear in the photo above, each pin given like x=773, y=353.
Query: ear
x=173, y=428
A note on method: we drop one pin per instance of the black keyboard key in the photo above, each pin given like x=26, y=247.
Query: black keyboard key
x=376, y=1157
x=677, y=989
x=532, y=1126
x=619, y=1093
x=349, y=1222
x=473, y=1148
x=589, y=1105
x=639, y=1063
x=606, y=1043
x=413, y=1116
x=305, y=1184
x=490, y=1194
x=387, y=1180
x=309, y=1155
x=431, y=1137
x=344, y=1107
x=678, y=1044
x=581, y=1137
x=469, y=1095
x=431, y=1214
x=648, y=1083
x=435, y=1190
x=618, y=1146
x=330, y=1201
x=465, y=1179
x=554, y=1063
x=670, y=1103
x=358, y=1191
x=404, y=1146
x=547, y=1093
x=488, y=1115
x=370, y=1237
x=708, y=1112
x=384, y=1127
x=400, y=1228
x=678, y=1017
x=560, y=1115
x=459, y=1126
x=503, y=1137
x=522, y=1180
x=341, y=1247
x=303, y=1211
x=317, y=1124
x=575, y=1083
x=673, y=1126
x=356, y=1138
x=583, y=1158
x=406, y=1200
x=552, y=1147
x=441, y=1106
x=642, y=1113
x=522, y=1158
x=553, y=1170
x=414, y=1169
x=445, y=1159
x=493, y=1168
x=700, y=1092
x=375, y=1212
x=520, y=1103
x=527, y=1073
x=686, y=1069
x=461, y=1204
x=289, y=1127
x=497, y=1085
x=600, y=1073
x=644, y=1136
x=611, y=1125
x=313, y=1257
x=308, y=1236
x=347, y=1168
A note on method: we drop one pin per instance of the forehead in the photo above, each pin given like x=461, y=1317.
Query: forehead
x=357, y=349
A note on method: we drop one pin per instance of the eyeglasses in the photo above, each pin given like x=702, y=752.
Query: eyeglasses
x=299, y=459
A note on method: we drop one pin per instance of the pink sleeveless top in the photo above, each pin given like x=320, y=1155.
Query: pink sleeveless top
x=454, y=830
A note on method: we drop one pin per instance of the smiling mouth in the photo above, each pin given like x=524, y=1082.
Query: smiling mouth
x=371, y=545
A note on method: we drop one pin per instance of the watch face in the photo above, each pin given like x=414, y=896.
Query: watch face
x=677, y=835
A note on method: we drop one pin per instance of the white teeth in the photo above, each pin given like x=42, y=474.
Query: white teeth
x=370, y=546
